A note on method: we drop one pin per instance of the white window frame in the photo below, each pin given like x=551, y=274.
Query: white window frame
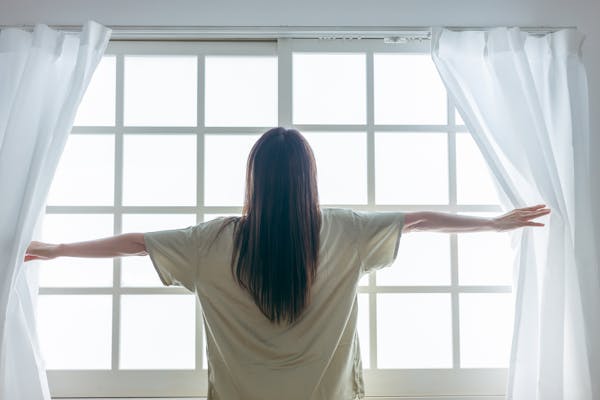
x=159, y=383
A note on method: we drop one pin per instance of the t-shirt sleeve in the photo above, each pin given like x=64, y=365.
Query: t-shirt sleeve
x=174, y=254
x=378, y=237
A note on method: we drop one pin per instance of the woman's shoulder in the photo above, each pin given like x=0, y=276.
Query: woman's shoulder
x=215, y=226
x=337, y=211
x=341, y=216
x=329, y=211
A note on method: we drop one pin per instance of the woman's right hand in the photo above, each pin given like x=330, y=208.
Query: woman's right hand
x=41, y=251
x=520, y=217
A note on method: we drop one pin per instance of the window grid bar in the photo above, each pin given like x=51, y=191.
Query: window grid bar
x=370, y=133
x=437, y=289
x=284, y=82
x=200, y=76
x=253, y=130
x=383, y=128
x=452, y=187
x=190, y=48
x=118, y=216
x=455, y=303
x=371, y=205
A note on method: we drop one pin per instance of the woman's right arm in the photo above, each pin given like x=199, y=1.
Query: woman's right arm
x=125, y=244
x=454, y=223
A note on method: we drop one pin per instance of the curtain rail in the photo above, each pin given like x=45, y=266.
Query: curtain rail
x=266, y=33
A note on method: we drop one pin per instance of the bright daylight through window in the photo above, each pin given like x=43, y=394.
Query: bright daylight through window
x=160, y=142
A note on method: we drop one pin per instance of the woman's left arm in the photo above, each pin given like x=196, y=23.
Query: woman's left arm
x=125, y=244
x=454, y=223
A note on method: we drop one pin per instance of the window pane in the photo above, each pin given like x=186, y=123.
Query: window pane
x=139, y=271
x=408, y=90
x=75, y=331
x=486, y=322
x=241, y=91
x=329, y=88
x=423, y=259
x=97, y=108
x=474, y=181
x=414, y=330
x=341, y=166
x=364, y=335
x=76, y=271
x=159, y=170
x=85, y=172
x=485, y=258
x=158, y=331
x=160, y=90
x=225, y=158
x=411, y=168
x=364, y=281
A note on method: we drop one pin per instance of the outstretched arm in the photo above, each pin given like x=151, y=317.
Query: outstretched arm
x=126, y=244
x=447, y=222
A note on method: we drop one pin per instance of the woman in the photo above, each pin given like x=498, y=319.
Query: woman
x=278, y=285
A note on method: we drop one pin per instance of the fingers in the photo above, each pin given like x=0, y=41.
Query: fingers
x=531, y=212
x=532, y=208
x=537, y=214
x=533, y=224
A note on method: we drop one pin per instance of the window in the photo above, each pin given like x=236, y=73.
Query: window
x=385, y=136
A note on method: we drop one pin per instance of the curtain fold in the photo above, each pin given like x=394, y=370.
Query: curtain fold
x=524, y=100
x=43, y=76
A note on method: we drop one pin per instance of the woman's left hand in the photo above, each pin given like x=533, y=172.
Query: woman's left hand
x=41, y=251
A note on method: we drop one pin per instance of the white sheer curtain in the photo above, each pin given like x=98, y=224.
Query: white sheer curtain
x=524, y=99
x=43, y=75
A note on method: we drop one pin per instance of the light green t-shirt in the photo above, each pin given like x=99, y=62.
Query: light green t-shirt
x=250, y=358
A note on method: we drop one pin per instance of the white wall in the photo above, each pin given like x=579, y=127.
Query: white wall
x=583, y=14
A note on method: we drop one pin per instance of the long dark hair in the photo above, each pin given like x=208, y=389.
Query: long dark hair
x=276, y=239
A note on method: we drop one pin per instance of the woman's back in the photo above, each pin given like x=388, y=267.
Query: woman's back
x=250, y=357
